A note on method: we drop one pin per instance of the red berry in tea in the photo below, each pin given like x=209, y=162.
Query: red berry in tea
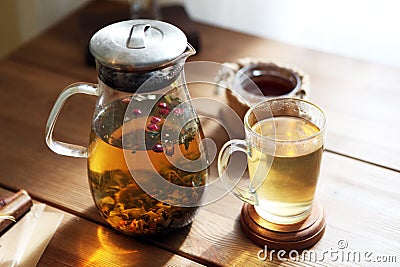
x=153, y=127
x=162, y=105
x=157, y=148
x=136, y=111
x=155, y=119
x=164, y=111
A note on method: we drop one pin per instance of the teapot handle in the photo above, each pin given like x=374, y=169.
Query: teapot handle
x=61, y=147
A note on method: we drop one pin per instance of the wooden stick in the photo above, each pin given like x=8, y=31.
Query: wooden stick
x=16, y=206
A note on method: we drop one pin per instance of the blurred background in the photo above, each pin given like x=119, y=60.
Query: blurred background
x=363, y=29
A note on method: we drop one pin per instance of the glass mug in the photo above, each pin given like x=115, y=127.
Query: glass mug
x=284, y=145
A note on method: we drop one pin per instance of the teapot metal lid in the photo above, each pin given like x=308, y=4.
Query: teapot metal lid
x=138, y=44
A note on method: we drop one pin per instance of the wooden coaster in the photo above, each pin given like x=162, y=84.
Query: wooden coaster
x=296, y=236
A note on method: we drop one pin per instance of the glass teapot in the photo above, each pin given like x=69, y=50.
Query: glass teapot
x=146, y=165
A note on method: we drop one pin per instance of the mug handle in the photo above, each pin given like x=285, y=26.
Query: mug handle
x=61, y=147
x=236, y=145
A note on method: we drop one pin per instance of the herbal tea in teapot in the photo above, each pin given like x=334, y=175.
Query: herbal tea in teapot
x=121, y=201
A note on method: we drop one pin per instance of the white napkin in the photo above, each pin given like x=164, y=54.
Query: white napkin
x=24, y=243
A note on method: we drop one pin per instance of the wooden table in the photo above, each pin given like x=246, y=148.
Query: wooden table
x=360, y=177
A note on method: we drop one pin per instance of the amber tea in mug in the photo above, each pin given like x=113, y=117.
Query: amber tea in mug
x=284, y=144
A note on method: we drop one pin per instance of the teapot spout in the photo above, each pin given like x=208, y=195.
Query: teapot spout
x=190, y=51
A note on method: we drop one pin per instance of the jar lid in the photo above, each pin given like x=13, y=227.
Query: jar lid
x=138, y=44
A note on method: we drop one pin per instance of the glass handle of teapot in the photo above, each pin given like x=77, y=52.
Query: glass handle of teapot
x=245, y=194
x=58, y=146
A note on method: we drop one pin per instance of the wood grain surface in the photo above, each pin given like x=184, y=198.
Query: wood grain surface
x=359, y=179
x=78, y=242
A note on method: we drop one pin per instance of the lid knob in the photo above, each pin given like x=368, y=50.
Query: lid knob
x=137, y=36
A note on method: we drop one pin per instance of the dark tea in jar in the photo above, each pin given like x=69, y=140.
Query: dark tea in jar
x=266, y=80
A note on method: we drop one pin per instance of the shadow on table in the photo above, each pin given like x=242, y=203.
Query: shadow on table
x=79, y=242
